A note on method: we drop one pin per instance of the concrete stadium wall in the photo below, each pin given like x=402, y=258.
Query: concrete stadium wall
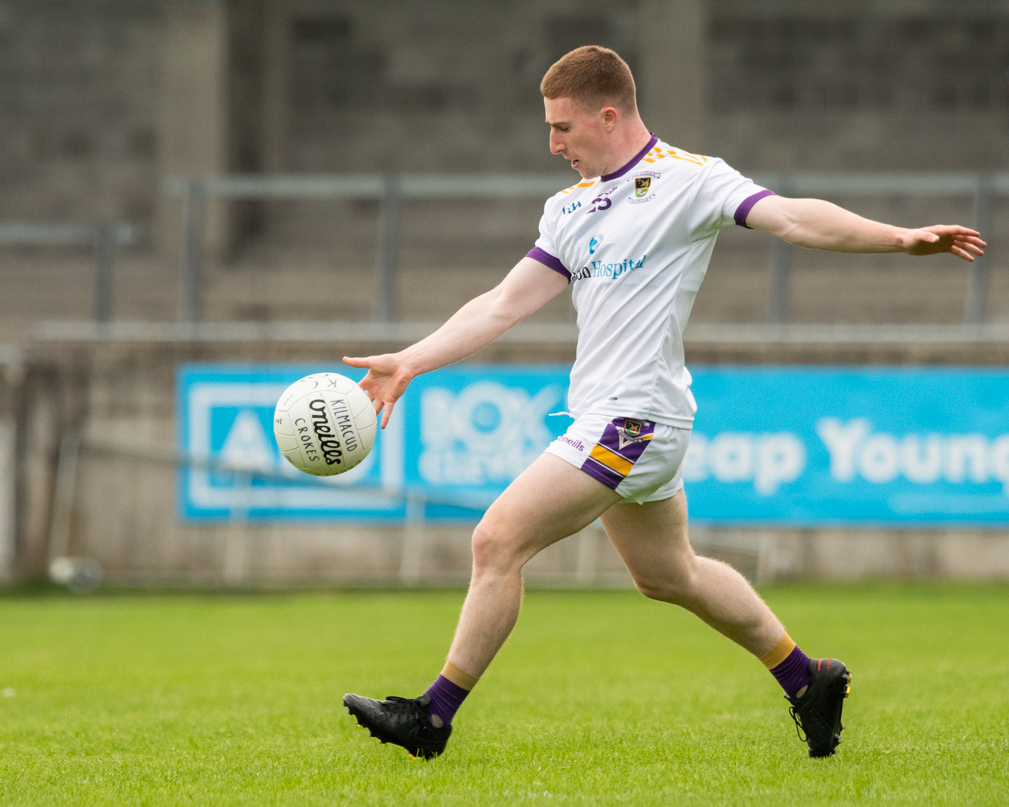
x=123, y=514
x=100, y=100
x=100, y=97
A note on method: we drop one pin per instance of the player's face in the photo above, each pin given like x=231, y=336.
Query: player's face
x=578, y=135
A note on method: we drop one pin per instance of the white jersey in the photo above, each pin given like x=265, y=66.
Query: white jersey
x=636, y=244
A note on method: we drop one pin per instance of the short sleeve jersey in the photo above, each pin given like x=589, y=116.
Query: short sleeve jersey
x=635, y=245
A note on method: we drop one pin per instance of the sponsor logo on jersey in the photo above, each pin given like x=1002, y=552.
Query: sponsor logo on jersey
x=594, y=243
x=608, y=271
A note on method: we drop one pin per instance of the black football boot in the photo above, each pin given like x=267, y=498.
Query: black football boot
x=817, y=712
x=401, y=721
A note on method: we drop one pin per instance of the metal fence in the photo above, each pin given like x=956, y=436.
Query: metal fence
x=390, y=191
x=104, y=238
x=114, y=521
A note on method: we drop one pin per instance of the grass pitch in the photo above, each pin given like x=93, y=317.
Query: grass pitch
x=598, y=698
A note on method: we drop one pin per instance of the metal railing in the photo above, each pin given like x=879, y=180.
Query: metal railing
x=390, y=191
x=103, y=238
x=76, y=560
x=982, y=188
x=523, y=333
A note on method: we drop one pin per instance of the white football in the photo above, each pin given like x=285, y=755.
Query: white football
x=324, y=424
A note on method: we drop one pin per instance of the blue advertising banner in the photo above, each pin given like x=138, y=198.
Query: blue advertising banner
x=798, y=446
x=470, y=430
x=808, y=446
x=224, y=413
x=456, y=440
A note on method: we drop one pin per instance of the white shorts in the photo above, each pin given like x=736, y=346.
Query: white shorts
x=638, y=459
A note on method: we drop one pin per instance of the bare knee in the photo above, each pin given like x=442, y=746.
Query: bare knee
x=494, y=548
x=672, y=582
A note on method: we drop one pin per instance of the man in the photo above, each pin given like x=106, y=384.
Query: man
x=633, y=239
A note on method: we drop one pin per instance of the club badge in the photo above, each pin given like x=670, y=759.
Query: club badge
x=643, y=187
x=630, y=432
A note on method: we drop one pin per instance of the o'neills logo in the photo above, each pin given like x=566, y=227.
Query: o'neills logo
x=328, y=444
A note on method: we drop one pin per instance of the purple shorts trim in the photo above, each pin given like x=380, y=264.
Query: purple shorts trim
x=549, y=261
x=615, y=452
x=603, y=474
x=627, y=439
x=746, y=205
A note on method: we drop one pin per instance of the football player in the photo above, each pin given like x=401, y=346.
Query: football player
x=633, y=239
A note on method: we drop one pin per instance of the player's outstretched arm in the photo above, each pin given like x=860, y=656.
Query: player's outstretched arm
x=524, y=290
x=817, y=224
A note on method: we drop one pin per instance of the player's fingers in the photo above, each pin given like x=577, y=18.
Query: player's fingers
x=970, y=244
x=350, y=362
x=953, y=229
x=368, y=385
x=386, y=413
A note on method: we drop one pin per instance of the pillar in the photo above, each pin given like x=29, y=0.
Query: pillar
x=671, y=70
x=193, y=111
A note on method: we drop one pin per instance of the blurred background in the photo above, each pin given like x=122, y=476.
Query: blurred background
x=259, y=187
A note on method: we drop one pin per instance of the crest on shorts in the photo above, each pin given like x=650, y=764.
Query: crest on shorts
x=641, y=186
x=630, y=432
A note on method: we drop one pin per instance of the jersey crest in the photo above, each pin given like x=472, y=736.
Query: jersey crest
x=643, y=187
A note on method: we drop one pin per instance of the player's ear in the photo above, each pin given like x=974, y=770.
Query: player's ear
x=610, y=116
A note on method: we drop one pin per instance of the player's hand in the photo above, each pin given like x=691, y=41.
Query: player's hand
x=386, y=381
x=950, y=238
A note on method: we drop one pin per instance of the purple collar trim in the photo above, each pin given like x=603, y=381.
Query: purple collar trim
x=634, y=161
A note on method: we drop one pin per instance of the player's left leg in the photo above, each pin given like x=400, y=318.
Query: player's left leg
x=547, y=502
x=652, y=540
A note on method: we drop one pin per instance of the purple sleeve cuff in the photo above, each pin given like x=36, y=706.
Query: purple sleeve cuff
x=744, y=207
x=549, y=261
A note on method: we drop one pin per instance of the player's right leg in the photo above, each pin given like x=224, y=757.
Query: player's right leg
x=652, y=540
x=549, y=501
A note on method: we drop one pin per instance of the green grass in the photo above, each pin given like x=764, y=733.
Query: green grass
x=598, y=698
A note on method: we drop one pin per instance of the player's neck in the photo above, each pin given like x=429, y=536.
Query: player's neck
x=627, y=146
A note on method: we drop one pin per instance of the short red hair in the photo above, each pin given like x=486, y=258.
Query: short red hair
x=593, y=77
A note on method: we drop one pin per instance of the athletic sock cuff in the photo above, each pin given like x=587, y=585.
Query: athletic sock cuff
x=778, y=653
x=459, y=677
